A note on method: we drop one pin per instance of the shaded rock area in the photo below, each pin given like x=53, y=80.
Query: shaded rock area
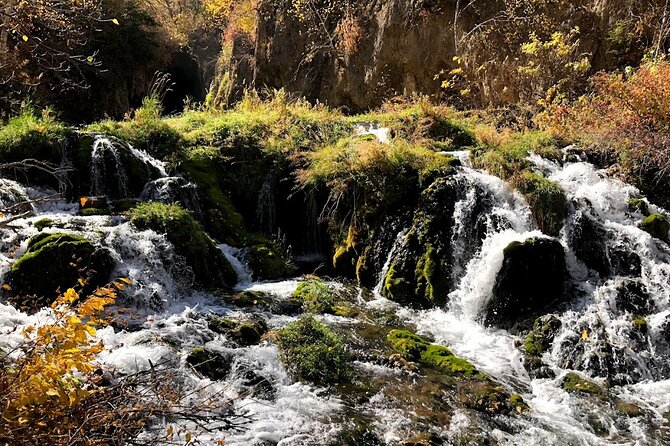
x=531, y=279
x=55, y=262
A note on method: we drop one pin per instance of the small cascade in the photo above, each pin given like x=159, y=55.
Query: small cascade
x=265, y=210
x=13, y=197
x=118, y=170
x=173, y=190
x=104, y=149
x=236, y=258
x=382, y=134
x=147, y=159
x=387, y=265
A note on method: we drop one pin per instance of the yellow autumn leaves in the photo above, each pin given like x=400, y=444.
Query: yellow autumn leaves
x=50, y=374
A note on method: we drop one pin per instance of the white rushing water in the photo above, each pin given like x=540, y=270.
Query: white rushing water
x=172, y=319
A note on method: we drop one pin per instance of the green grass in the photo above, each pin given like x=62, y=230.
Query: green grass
x=316, y=297
x=30, y=135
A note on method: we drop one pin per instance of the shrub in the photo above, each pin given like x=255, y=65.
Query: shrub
x=627, y=120
x=316, y=297
x=313, y=352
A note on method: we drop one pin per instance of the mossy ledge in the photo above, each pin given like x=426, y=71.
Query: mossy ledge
x=210, y=267
x=55, y=261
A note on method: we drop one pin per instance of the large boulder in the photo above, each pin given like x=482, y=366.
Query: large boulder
x=55, y=262
x=531, y=280
x=419, y=272
x=210, y=267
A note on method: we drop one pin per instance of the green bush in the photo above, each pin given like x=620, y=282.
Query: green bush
x=316, y=297
x=313, y=352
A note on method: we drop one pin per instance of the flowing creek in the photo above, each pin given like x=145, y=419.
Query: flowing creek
x=170, y=319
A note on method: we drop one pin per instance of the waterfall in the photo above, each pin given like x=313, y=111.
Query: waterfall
x=236, y=258
x=382, y=134
x=265, y=210
x=103, y=147
x=389, y=259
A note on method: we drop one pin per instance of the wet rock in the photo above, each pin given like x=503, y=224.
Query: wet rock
x=530, y=281
x=259, y=386
x=418, y=275
x=244, y=333
x=544, y=330
x=587, y=239
x=212, y=365
x=638, y=205
x=267, y=260
x=633, y=297
x=57, y=261
x=657, y=225
x=574, y=383
x=316, y=297
x=358, y=434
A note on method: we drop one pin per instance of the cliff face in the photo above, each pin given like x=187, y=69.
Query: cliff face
x=394, y=47
x=359, y=54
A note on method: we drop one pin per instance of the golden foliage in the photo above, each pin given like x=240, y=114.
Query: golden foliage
x=54, y=365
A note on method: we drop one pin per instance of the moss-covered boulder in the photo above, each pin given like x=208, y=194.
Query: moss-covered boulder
x=657, y=225
x=416, y=348
x=210, y=267
x=266, y=259
x=632, y=296
x=55, y=262
x=546, y=199
x=205, y=168
x=574, y=383
x=544, y=330
x=530, y=281
x=418, y=274
x=243, y=333
x=313, y=352
x=638, y=205
x=210, y=364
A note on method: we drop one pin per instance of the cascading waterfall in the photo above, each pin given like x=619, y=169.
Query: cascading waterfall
x=103, y=147
x=595, y=338
x=387, y=265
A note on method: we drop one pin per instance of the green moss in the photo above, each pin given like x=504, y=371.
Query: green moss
x=518, y=404
x=540, y=337
x=203, y=167
x=640, y=324
x=345, y=311
x=408, y=344
x=629, y=409
x=209, y=265
x=267, y=260
x=442, y=358
x=316, y=297
x=89, y=212
x=31, y=136
x=638, y=205
x=416, y=348
x=546, y=199
x=428, y=276
x=54, y=261
x=313, y=352
x=574, y=383
x=43, y=223
x=657, y=225
x=210, y=364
